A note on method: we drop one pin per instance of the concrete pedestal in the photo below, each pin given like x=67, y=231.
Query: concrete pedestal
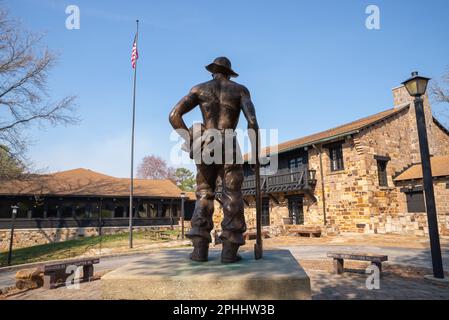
x=170, y=275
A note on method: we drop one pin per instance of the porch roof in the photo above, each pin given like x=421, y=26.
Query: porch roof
x=84, y=182
x=439, y=164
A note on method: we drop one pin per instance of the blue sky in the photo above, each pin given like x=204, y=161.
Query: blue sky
x=310, y=65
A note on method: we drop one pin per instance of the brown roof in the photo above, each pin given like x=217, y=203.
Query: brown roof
x=84, y=182
x=337, y=132
x=439, y=164
x=191, y=195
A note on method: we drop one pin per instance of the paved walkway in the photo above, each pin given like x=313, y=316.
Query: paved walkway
x=397, y=282
x=328, y=286
x=419, y=258
x=7, y=279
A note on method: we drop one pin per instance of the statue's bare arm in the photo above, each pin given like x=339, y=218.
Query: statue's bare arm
x=248, y=109
x=186, y=104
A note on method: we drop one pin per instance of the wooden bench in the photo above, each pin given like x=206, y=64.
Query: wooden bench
x=252, y=234
x=307, y=231
x=339, y=259
x=57, y=272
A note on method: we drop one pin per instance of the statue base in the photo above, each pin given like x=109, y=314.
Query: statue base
x=171, y=275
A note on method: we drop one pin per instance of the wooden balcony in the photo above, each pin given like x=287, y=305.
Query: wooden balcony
x=284, y=180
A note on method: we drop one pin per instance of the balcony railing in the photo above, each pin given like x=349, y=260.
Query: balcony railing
x=283, y=180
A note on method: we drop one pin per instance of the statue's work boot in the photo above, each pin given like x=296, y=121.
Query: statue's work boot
x=200, y=249
x=229, y=252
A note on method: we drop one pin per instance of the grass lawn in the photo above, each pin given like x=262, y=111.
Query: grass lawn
x=73, y=248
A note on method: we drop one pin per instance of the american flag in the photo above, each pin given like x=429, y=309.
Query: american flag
x=135, y=53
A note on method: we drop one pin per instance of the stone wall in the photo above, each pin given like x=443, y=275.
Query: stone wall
x=278, y=211
x=346, y=192
x=33, y=237
x=442, y=140
x=354, y=201
x=397, y=138
x=416, y=223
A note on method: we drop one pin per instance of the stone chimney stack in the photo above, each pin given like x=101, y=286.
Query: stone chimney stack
x=401, y=97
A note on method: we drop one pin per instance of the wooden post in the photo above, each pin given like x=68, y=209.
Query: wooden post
x=258, y=246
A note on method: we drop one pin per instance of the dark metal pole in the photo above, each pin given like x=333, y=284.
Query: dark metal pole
x=100, y=231
x=182, y=217
x=432, y=219
x=11, y=240
x=132, y=150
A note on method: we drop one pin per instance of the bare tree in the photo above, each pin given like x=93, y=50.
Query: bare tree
x=154, y=167
x=24, y=69
x=440, y=93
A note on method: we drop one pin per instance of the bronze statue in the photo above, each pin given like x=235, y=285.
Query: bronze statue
x=221, y=101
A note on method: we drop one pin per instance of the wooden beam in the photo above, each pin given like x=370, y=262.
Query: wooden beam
x=273, y=198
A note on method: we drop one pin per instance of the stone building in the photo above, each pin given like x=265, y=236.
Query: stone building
x=78, y=203
x=412, y=202
x=348, y=179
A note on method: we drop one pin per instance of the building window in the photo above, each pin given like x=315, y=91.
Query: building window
x=175, y=210
x=265, y=212
x=22, y=213
x=81, y=211
x=107, y=210
x=142, y=210
x=52, y=210
x=165, y=210
x=5, y=209
x=415, y=202
x=38, y=211
x=119, y=212
x=153, y=210
x=336, y=157
x=295, y=163
x=295, y=209
x=382, y=173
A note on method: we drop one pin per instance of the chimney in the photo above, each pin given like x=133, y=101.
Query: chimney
x=401, y=96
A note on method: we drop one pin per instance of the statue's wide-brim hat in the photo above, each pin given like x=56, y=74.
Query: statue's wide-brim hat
x=222, y=65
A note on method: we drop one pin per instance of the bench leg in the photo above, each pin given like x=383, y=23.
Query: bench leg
x=338, y=266
x=88, y=273
x=49, y=281
x=378, y=265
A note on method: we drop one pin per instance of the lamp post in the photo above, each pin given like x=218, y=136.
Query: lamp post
x=416, y=87
x=11, y=240
x=183, y=197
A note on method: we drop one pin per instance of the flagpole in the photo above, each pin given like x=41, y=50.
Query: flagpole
x=132, y=149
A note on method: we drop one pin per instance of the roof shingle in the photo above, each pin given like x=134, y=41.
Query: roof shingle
x=439, y=165
x=336, y=132
x=84, y=182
